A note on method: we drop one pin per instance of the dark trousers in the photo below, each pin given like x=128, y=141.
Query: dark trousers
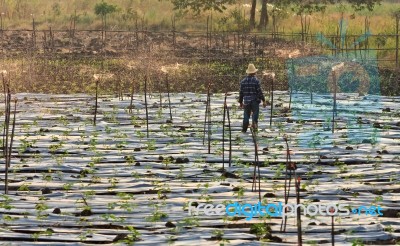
x=253, y=107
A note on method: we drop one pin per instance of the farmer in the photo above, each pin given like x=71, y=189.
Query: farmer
x=250, y=96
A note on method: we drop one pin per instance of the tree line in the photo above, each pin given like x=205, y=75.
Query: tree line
x=299, y=7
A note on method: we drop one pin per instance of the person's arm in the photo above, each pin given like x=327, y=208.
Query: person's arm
x=241, y=95
x=260, y=94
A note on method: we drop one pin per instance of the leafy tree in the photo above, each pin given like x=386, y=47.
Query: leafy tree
x=198, y=6
x=311, y=6
x=359, y=5
x=56, y=9
x=103, y=9
x=300, y=7
x=304, y=8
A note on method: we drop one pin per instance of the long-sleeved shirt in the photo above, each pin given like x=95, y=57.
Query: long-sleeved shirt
x=250, y=90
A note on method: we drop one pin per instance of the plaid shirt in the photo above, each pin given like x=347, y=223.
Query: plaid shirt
x=250, y=90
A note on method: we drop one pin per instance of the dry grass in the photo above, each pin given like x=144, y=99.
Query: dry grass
x=157, y=15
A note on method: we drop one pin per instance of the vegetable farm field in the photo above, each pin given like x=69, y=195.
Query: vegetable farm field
x=71, y=182
x=122, y=122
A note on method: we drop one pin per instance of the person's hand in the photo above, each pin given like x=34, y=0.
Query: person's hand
x=264, y=104
x=241, y=105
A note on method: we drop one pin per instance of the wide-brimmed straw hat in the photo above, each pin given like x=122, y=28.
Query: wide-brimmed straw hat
x=251, y=69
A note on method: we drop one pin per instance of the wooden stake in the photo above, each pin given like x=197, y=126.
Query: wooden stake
x=6, y=150
x=256, y=165
x=333, y=231
x=230, y=136
x=5, y=114
x=272, y=100
x=12, y=133
x=223, y=135
x=169, y=99
x=206, y=114
x=7, y=122
x=291, y=167
x=334, y=100
x=293, y=70
x=146, y=106
x=132, y=92
x=95, y=106
x=160, y=94
x=209, y=120
x=299, y=233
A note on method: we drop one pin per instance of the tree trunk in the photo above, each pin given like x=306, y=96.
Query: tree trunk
x=264, y=16
x=253, y=14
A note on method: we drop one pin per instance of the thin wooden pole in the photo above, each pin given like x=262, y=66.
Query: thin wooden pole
x=7, y=155
x=205, y=115
x=272, y=100
x=132, y=92
x=333, y=231
x=311, y=91
x=5, y=115
x=169, y=99
x=289, y=167
x=256, y=165
x=334, y=100
x=7, y=121
x=160, y=92
x=12, y=132
x=299, y=233
x=95, y=106
x=293, y=70
x=223, y=135
x=209, y=120
x=146, y=106
x=230, y=136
